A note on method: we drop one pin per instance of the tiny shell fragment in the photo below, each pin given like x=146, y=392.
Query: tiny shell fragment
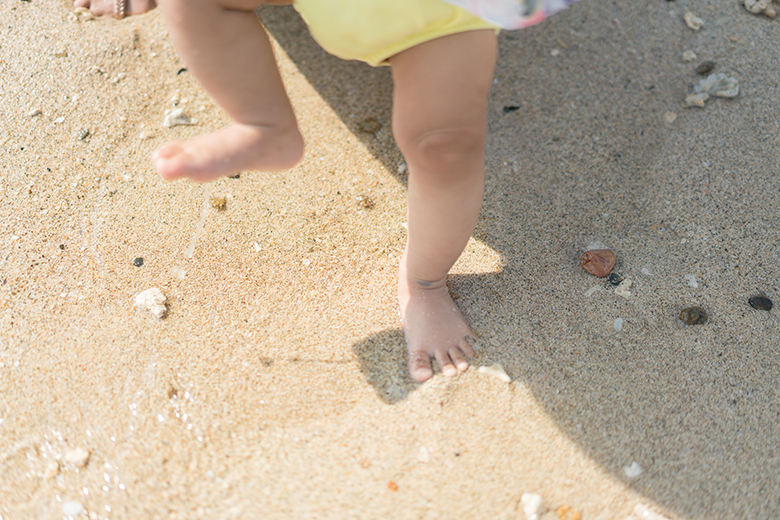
x=691, y=281
x=694, y=316
x=718, y=85
x=52, y=469
x=696, y=100
x=496, y=370
x=623, y=288
x=689, y=56
x=533, y=506
x=692, y=21
x=177, y=117
x=634, y=470
x=78, y=457
x=669, y=117
x=761, y=303
x=598, y=262
x=152, y=300
x=618, y=325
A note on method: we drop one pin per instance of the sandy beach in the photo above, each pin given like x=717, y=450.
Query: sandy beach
x=276, y=384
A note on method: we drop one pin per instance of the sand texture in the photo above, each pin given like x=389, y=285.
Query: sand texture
x=275, y=385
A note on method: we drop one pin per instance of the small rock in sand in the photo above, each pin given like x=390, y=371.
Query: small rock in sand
x=761, y=303
x=152, y=300
x=618, y=325
x=705, y=67
x=72, y=508
x=496, y=370
x=78, y=457
x=634, y=470
x=691, y=280
x=692, y=21
x=177, y=117
x=760, y=7
x=218, y=203
x=623, y=288
x=568, y=513
x=34, y=112
x=688, y=56
x=615, y=279
x=669, y=117
x=138, y=261
x=423, y=455
x=695, y=100
x=598, y=262
x=693, y=316
x=718, y=85
x=533, y=506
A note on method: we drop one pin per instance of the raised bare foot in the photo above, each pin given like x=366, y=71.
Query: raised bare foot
x=111, y=8
x=235, y=148
x=433, y=326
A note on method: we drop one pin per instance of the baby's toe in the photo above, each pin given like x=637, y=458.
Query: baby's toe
x=420, y=366
x=456, y=355
x=447, y=368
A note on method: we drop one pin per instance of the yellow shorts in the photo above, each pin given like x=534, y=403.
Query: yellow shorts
x=374, y=30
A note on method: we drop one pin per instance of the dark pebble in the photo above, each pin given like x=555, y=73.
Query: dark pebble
x=704, y=67
x=615, y=279
x=62, y=247
x=694, y=316
x=180, y=71
x=370, y=126
x=138, y=261
x=761, y=303
x=236, y=176
x=511, y=108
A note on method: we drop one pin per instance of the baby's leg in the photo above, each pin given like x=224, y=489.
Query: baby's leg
x=439, y=121
x=227, y=49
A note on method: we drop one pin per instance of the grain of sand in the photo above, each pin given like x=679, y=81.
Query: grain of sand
x=276, y=385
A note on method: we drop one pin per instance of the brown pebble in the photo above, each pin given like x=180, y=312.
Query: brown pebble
x=366, y=202
x=705, y=67
x=761, y=303
x=598, y=262
x=694, y=316
x=392, y=486
x=370, y=126
x=218, y=203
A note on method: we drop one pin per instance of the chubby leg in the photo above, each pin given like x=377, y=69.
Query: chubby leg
x=440, y=121
x=227, y=49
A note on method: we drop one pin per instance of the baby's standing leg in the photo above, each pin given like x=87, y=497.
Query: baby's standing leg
x=227, y=49
x=440, y=121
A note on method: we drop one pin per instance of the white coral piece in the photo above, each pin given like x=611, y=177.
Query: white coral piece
x=718, y=85
x=152, y=300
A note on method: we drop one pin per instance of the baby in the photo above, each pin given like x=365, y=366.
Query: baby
x=442, y=60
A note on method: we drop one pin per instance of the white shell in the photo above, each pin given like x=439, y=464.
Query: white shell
x=177, y=117
x=496, y=370
x=533, y=505
x=623, y=288
x=692, y=21
x=78, y=457
x=634, y=470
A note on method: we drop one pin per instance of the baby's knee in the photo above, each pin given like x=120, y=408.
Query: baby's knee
x=448, y=150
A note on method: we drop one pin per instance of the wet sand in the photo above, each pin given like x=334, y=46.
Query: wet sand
x=276, y=385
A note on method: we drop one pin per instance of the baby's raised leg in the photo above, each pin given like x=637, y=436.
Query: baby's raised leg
x=227, y=49
x=440, y=121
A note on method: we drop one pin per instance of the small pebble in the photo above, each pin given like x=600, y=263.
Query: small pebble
x=692, y=21
x=511, y=108
x=689, y=56
x=555, y=52
x=691, y=280
x=694, y=316
x=696, y=100
x=236, y=176
x=614, y=279
x=392, y=486
x=138, y=261
x=370, y=126
x=59, y=120
x=598, y=262
x=761, y=303
x=78, y=457
x=618, y=325
x=718, y=85
x=533, y=506
x=402, y=168
x=178, y=272
x=152, y=300
x=645, y=271
x=145, y=135
x=72, y=508
x=34, y=112
x=218, y=203
x=705, y=67
x=593, y=290
x=82, y=134
x=623, y=288
x=496, y=370
x=365, y=201
x=634, y=470
x=670, y=117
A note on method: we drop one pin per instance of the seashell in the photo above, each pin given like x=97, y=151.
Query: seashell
x=693, y=316
x=692, y=21
x=496, y=370
x=177, y=117
x=761, y=303
x=760, y=7
x=718, y=85
x=598, y=262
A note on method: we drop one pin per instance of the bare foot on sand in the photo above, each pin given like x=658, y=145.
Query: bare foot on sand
x=236, y=148
x=434, y=328
x=109, y=7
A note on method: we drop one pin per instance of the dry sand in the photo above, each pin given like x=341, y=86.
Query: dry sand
x=276, y=386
